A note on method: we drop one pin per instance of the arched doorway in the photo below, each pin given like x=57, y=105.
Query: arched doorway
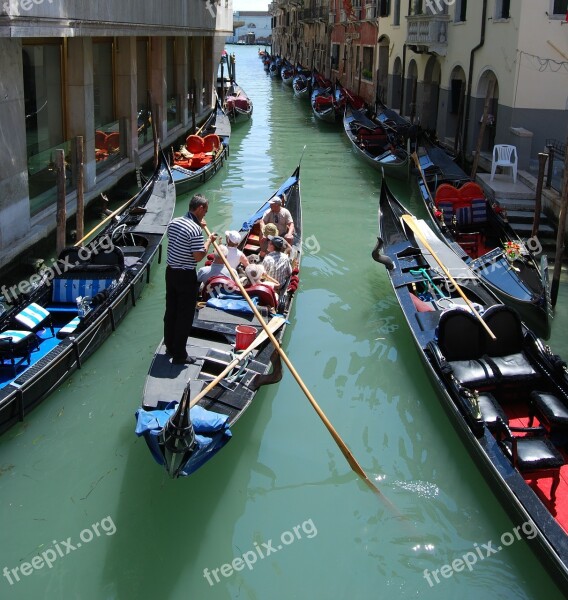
x=430, y=94
x=410, y=90
x=396, y=87
x=456, y=105
x=483, y=86
x=383, y=72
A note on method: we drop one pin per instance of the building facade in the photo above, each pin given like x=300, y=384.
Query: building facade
x=92, y=70
x=436, y=61
x=251, y=27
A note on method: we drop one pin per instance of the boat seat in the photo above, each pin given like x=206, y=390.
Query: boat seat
x=462, y=343
x=447, y=208
x=552, y=413
x=68, y=329
x=194, y=144
x=534, y=457
x=491, y=412
x=211, y=142
x=505, y=353
x=34, y=317
x=68, y=287
x=16, y=347
x=265, y=294
x=219, y=285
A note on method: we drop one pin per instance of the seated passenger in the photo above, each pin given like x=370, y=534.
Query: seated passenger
x=216, y=268
x=268, y=230
x=280, y=217
x=234, y=256
x=276, y=263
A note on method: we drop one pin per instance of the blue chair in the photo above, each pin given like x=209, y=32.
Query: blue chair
x=16, y=347
x=34, y=317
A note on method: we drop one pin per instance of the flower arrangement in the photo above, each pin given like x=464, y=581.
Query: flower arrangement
x=439, y=215
x=512, y=251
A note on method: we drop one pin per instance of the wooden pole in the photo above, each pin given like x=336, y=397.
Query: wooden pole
x=413, y=224
x=80, y=215
x=560, y=235
x=542, y=158
x=61, y=208
x=193, y=101
x=488, y=96
x=355, y=466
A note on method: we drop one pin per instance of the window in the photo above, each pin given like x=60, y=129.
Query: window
x=384, y=8
x=461, y=10
x=335, y=56
x=396, y=15
x=144, y=122
x=103, y=83
x=502, y=9
x=560, y=8
x=43, y=82
x=367, y=71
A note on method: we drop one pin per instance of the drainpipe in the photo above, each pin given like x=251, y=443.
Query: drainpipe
x=470, y=75
x=402, y=79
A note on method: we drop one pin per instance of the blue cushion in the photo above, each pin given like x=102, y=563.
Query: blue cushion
x=32, y=316
x=478, y=210
x=67, y=290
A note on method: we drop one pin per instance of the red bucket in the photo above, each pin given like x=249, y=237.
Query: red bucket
x=245, y=336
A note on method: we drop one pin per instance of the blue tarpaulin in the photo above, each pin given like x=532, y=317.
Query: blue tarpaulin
x=211, y=432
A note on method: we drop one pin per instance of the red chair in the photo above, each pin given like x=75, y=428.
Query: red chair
x=113, y=142
x=446, y=192
x=100, y=139
x=471, y=191
x=211, y=142
x=265, y=294
x=194, y=144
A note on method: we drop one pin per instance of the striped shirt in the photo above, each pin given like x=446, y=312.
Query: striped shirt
x=184, y=238
x=277, y=265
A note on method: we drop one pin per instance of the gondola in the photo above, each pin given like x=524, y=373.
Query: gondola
x=478, y=229
x=237, y=105
x=202, y=154
x=287, y=73
x=78, y=301
x=322, y=100
x=300, y=85
x=182, y=437
x=376, y=144
x=507, y=397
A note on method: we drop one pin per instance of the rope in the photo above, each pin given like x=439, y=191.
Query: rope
x=418, y=272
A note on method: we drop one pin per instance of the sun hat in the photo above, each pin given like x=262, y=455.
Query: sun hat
x=233, y=236
x=270, y=229
x=254, y=272
x=277, y=241
x=275, y=200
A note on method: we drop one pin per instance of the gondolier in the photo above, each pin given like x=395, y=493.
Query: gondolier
x=185, y=249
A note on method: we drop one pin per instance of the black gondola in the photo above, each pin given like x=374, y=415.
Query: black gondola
x=478, y=230
x=494, y=390
x=162, y=419
x=81, y=299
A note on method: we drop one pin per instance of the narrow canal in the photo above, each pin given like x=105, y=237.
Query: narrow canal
x=280, y=505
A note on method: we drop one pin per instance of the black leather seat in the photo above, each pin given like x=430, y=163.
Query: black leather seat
x=534, y=457
x=462, y=342
x=505, y=353
x=491, y=412
x=551, y=411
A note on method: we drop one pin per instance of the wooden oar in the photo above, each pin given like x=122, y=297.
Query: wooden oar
x=342, y=446
x=273, y=326
x=413, y=224
x=107, y=218
x=419, y=167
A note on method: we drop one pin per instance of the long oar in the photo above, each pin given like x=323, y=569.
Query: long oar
x=342, y=446
x=106, y=219
x=419, y=167
x=413, y=224
x=274, y=324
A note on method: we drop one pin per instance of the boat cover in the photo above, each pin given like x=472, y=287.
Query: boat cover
x=211, y=432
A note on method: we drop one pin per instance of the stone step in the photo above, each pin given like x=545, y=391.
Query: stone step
x=516, y=204
x=525, y=216
x=524, y=230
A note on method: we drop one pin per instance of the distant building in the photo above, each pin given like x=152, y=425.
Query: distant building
x=251, y=27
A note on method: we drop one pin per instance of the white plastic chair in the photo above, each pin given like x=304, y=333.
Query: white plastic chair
x=504, y=156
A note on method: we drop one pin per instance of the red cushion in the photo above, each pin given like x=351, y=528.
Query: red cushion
x=446, y=192
x=471, y=191
x=194, y=144
x=211, y=142
x=420, y=305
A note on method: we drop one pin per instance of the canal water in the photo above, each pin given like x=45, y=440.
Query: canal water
x=279, y=514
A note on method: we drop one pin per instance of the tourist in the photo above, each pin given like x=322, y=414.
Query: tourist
x=277, y=263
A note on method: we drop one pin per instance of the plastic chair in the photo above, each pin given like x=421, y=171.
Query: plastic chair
x=504, y=156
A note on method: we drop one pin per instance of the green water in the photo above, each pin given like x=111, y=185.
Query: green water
x=282, y=486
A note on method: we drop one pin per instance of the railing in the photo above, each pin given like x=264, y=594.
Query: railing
x=315, y=12
x=371, y=10
x=430, y=31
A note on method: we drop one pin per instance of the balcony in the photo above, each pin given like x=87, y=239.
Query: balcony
x=428, y=33
x=315, y=13
x=371, y=11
